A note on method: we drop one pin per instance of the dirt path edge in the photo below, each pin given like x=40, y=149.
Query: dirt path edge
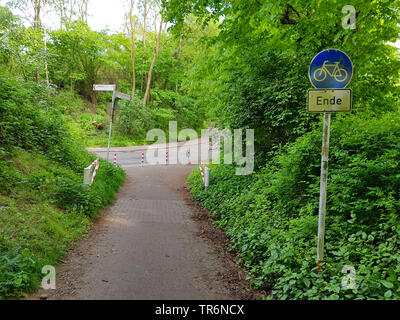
x=236, y=276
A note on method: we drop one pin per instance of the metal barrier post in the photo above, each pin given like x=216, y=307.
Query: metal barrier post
x=206, y=178
x=87, y=175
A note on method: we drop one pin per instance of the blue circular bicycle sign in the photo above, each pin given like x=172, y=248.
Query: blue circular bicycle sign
x=331, y=69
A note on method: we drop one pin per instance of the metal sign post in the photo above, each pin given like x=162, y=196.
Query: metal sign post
x=116, y=94
x=111, y=124
x=206, y=178
x=330, y=72
x=323, y=187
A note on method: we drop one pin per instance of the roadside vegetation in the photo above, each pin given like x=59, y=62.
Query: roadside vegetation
x=259, y=76
x=273, y=225
x=44, y=206
x=69, y=60
x=49, y=113
x=237, y=64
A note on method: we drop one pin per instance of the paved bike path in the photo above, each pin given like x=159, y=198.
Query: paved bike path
x=145, y=246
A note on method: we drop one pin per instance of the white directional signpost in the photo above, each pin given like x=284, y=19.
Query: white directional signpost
x=123, y=96
x=104, y=87
x=330, y=72
x=116, y=94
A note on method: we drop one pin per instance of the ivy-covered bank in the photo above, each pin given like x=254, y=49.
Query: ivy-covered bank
x=44, y=207
x=271, y=217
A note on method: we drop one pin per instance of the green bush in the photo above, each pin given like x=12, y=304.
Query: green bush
x=72, y=196
x=273, y=225
x=68, y=102
x=16, y=272
x=43, y=205
x=134, y=118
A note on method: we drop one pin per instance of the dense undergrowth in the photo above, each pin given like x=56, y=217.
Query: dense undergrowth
x=43, y=205
x=131, y=120
x=272, y=216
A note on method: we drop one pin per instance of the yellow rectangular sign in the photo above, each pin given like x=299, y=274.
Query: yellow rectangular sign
x=329, y=100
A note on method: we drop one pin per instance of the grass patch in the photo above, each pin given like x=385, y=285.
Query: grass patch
x=36, y=227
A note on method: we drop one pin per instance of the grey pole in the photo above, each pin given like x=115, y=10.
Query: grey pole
x=87, y=176
x=206, y=178
x=324, y=185
x=111, y=123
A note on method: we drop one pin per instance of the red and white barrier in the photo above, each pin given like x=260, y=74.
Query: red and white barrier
x=88, y=175
x=95, y=170
x=142, y=158
x=166, y=159
x=115, y=159
x=205, y=175
x=202, y=173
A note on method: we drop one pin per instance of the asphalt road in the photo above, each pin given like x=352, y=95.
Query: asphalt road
x=192, y=152
x=147, y=245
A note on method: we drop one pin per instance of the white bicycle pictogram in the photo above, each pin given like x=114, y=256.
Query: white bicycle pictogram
x=338, y=73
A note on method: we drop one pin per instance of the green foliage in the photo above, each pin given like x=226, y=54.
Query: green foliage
x=134, y=118
x=78, y=57
x=169, y=105
x=68, y=102
x=72, y=196
x=28, y=119
x=273, y=226
x=43, y=205
x=267, y=92
x=256, y=66
x=16, y=272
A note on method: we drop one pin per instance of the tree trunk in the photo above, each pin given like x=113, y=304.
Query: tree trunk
x=61, y=13
x=36, y=27
x=45, y=61
x=144, y=23
x=133, y=54
x=86, y=10
x=37, y=7
x=94, y=101
x=146, y=95
x=130, y=25
x=71, y=11
x=179, y=56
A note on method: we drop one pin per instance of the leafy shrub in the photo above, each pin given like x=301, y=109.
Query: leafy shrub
x=16, y=272
x=68, y=102
x=72, y=196
x=134, y=118
x=86, y=120
x=43, y=205
x=169, y=105
x=28, y=119
x=273, y=225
